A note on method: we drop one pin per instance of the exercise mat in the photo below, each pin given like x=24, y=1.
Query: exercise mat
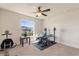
x=39, y=46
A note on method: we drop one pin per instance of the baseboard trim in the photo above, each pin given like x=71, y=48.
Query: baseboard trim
x=69, y=45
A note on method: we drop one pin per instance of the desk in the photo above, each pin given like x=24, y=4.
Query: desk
x=24, y=38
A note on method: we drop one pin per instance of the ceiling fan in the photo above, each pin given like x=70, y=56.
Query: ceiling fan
x=40, y=12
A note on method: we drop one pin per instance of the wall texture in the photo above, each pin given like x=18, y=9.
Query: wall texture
x=67, y=25
x=11, y=21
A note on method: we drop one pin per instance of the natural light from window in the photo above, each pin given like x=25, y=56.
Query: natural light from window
x=27, y=26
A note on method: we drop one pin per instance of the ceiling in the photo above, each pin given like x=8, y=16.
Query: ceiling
x=28, y=8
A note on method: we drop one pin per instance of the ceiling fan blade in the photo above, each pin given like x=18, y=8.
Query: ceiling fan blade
x=39, y=9
x=46, y=10
x=43, y=14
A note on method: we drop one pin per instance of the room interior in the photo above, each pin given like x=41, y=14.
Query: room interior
x=62, y=16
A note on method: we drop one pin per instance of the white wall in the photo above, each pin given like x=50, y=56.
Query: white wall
x=67, y=25
x=11, y=21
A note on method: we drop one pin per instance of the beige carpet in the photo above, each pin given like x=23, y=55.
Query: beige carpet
x=55, y=50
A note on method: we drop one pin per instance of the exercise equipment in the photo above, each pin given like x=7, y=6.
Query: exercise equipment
x=54, y=34
x=7, y=33
x=7, y=43
x=44, y=41
x=43, y=38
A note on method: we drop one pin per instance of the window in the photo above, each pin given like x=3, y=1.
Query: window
x=27, y=27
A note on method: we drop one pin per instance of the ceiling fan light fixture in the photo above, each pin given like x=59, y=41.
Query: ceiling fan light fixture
x=39, y=14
